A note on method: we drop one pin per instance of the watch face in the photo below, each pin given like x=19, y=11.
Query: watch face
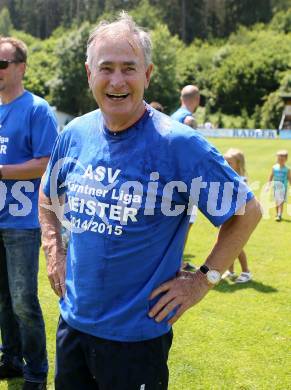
x=213, y=276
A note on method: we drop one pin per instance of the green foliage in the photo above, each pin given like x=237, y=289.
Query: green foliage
x=249, y=12
x=41, y=17
x=211, y=18
x=5, y=22
x=219, y=122
x=146, y=15
x=286, y=82
x=280, y=5
x=257, y=117
x=240, y=73
x=244, y=119
x=281, y=22
x=60, y=31
x=164, y=83
x=250, y=72
x=273, y=107
x=25, y=37
x=233, y=75
x=42, y=62
x=69, y=88
x=117, y=5
x=187, y=19
x=195, y=65
x=207, y=110
x=272, y=111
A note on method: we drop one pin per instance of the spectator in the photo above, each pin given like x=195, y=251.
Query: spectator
x=236, y=160
x=190, y=99
x=28, y=131
x=280, y=176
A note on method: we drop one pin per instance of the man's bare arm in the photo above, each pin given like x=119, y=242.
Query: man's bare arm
x=188, y=289
x=52, y=244
x=32, y=169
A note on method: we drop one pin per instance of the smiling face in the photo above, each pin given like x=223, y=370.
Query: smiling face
x=118, y=77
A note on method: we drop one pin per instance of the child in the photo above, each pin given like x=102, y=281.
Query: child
x=236, y=160
x=280, y=176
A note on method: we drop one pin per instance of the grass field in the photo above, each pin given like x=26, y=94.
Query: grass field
x=239, y=337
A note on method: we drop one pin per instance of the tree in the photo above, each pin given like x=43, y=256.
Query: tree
x=219, y=121
x=282, y=21
x=250, y=12
x=114, y=6
x=146, y=15
x=207, y=111
x=77, y=11
x=280, y=5
x=42, y=62
x=41, y=17
x=215, y=18
x=244, y=119
x=164, y=83
x=285, y=85
x=272, y=111
x=257, y=117
x=69, y=87
x=183, y=18
x=273, y=107
x=251, y=71
x=5, y=22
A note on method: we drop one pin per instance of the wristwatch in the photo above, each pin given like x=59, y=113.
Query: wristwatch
x=213, y=276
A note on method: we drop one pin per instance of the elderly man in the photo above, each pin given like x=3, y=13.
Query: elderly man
x=190, y=99
x=27, y=133
x=124, y=174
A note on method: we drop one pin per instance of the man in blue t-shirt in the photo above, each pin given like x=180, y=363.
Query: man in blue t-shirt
x=190, y=99
x=27, y=133
x=124, y=179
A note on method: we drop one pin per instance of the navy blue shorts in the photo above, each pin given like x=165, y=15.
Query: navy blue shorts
x=88, y=362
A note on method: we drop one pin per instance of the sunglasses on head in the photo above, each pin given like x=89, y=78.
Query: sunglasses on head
x=5, y=63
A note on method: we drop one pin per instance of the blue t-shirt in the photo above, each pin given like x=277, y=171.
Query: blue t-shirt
x=181, y=114
x=28, y=130
x=280, y=174
x=127, y=200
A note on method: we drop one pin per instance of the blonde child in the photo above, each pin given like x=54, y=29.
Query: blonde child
x=280, y=176
x=236, y=160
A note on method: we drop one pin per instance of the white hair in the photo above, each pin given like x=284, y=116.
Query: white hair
x=123, y=25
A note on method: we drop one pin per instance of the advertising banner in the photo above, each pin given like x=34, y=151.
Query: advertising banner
x=239, y=133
